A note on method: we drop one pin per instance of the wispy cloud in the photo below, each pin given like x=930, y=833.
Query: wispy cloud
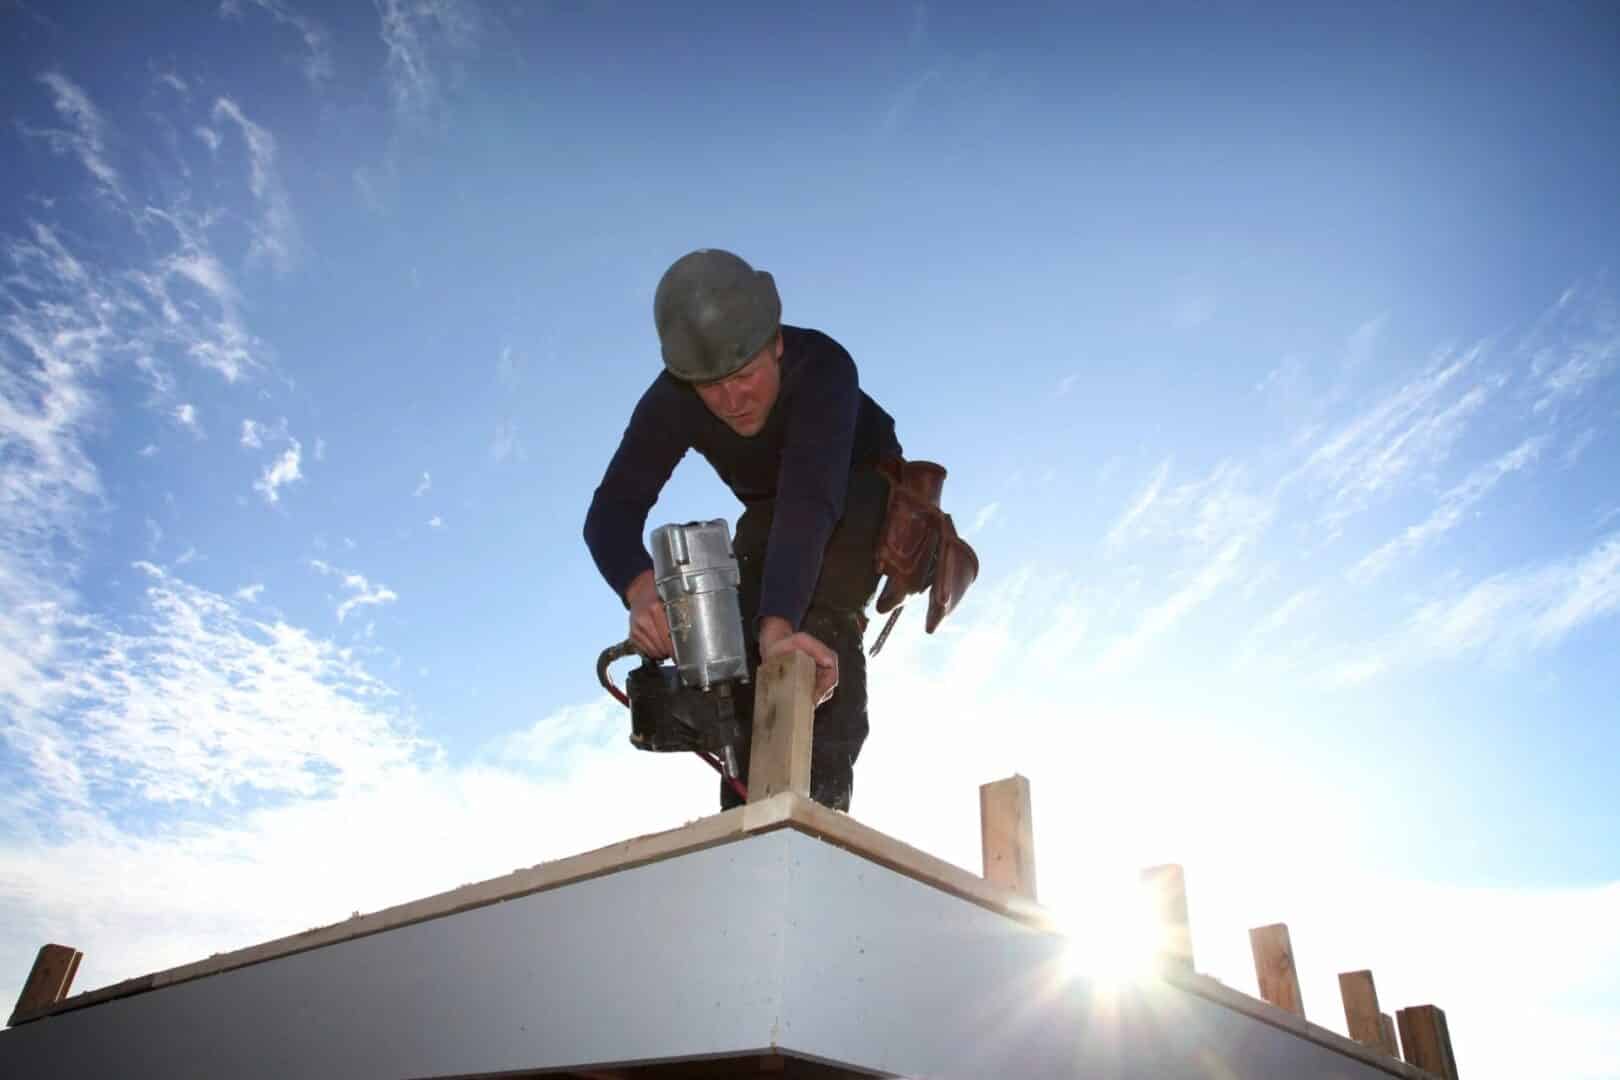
x=423, y=37
x=250, y=434
x=249, y=593
x=1161, y=618
x=985, y=516
x=317, y=43
x=361, y=592
x=435, y=522
x=85, y=140
x=1140, y=505
x=275, y=235
x=506, y=444
x=1575, y=345
x=423, y=486
x=285, y=470
x=508, y=369
x=1454, y=504
x=185, y=415
x=1578, y=446
x=1415, y=425
x=1507, y=615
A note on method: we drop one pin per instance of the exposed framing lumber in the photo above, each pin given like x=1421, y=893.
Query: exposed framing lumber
x=1007, y=835
x=49, y=980
x=1166, y=887
x=845, y=832
x=784, y=720
x=1221, y=994
x=1386, y=1031
x=1274, y=967
x=1362, y=1017
x=706, y=832
x=1427, y=1040
x=786, y=810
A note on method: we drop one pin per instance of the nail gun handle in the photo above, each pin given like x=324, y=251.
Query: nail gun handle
x=609, y=655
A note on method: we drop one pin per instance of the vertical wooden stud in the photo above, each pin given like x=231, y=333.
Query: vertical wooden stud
x=1166, y=887
x=1274, y=967
x=1427, y=1040
x=1007, y=835
x=49, y=980
x=784, y=720
x=1361, y=1015
x=1386, y=1028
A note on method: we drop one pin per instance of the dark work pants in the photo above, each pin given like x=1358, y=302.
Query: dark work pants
x=836, y=617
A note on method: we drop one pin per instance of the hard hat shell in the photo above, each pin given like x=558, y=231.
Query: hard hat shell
x=714, y=312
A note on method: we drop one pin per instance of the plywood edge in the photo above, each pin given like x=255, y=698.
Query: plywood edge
x=1221, y=994
x=721, y=828
x=844, y=831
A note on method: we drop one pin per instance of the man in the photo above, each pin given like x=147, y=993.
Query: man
x=779, y=413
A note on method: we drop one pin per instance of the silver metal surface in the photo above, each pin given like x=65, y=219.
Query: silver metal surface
x=697, y=577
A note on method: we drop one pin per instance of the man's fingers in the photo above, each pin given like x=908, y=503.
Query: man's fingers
x=649, y=634
x=660, y=629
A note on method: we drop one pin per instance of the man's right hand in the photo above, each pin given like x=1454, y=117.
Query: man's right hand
x=649, y=627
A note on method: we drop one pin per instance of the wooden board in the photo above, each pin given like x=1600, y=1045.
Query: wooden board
x=1274, y=967
x=1166, y=887
x=782, y=811
x=1427, y=1040
x=784, y=720
x=1218, y=992
x=1362, y=1017
x=1386, y=1030
x=1007, y=835
x=49, y=980
x=705, y=832
x=844, y=831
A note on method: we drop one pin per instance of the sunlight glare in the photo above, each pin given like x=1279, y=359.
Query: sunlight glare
x=1114, y=938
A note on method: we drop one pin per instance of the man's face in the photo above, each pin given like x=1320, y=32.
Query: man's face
x=743, y=399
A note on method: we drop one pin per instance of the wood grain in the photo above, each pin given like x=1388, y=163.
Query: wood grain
x=1007, y=835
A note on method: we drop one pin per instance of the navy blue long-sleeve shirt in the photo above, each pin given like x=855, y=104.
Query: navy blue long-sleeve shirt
x=821, y=426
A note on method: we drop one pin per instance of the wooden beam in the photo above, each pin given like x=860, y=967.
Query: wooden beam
x=1248, y=1005
x=1386, y=1031
x=1007, y=835
x=49, y=980
x=1166, y=887
x=1427, y=1040
x=1361, y=1015
x=1274, y=967
x=784, y=720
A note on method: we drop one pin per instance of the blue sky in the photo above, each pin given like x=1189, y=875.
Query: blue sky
x=1275, y=357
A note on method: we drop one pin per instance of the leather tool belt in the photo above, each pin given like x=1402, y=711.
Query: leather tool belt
x=918, y=548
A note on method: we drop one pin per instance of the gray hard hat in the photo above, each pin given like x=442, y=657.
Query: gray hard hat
x=713, y=313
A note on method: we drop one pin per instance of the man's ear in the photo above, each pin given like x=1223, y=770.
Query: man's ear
x=779, y=345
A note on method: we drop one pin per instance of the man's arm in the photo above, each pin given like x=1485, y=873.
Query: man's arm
x=812, y=482
x=814, y=479
x=648, y=452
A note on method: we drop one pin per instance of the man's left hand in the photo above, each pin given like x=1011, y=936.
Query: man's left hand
x=777, y=636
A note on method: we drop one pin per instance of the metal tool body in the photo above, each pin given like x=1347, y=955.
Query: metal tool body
x=690, y=704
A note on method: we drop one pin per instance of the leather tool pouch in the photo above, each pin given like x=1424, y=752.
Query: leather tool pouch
x=918, y=548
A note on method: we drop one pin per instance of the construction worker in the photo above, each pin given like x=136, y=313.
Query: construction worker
x=779, y=413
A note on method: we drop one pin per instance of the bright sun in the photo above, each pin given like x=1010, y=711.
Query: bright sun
x=1114, y=937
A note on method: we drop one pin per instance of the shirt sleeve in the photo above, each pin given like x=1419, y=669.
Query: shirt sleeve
x=648, y=452
x=818, y=441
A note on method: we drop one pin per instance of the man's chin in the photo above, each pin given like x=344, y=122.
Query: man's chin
x=747, y=428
